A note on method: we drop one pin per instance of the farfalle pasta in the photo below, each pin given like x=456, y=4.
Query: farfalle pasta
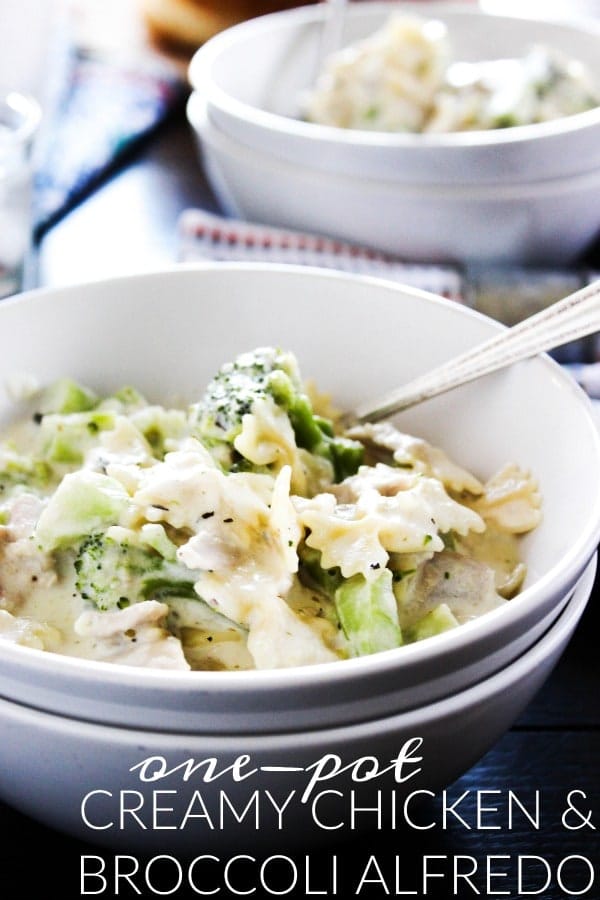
x=247, y=530
x=404, y=78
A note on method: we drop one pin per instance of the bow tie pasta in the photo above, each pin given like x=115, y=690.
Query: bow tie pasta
x=246, y=530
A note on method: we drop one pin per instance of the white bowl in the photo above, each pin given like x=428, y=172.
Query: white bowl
x=252, y=75
x=76, y=775
x=522, y=223
x=168, y=332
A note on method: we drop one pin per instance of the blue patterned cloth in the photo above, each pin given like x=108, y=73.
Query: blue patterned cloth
x=105, y=113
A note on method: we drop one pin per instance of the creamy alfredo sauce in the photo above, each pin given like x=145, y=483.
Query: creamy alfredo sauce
x=243, y=530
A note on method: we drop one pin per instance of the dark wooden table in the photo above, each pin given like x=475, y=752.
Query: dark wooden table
x=554, y=748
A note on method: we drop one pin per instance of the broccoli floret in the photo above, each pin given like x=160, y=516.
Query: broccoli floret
x=65, y=438
x=85, y=502
x=22, y=469
x=268, y=373
x=234, y=389
x=110, y=573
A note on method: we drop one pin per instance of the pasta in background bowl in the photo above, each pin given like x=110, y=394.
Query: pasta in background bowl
x=403, y=78
x=168, y=334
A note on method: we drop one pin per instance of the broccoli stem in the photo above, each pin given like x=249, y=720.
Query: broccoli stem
x=111, y=574
x=368, y=613
x=367, y=610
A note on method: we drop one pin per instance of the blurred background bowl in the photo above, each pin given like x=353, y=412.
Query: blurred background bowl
x=253, y=75
x=505, y=223
x=507, y=182
x=357, y=337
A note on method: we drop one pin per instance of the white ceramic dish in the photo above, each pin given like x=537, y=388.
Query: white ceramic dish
x=518, y=223
x=168, y=332
x=252, y=75
x=86, y=772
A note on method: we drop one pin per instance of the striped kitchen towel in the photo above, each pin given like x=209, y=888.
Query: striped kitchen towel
x=206, y=236
x=503, y=292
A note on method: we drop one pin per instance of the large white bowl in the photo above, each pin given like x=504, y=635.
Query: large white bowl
x=77, y=776
x=553, y=219
x=168, y=332
x=252, y=75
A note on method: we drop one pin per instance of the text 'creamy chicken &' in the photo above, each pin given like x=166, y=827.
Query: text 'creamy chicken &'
x=243, y=531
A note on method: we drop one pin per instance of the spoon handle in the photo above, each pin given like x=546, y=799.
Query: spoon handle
x=332, y=30
x=573, y=317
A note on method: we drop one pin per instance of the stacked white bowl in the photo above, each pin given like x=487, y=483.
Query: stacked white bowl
x=446, y=699
x=522, y=194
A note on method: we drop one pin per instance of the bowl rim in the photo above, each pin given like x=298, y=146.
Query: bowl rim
x=559, y=632
x=559, y=579
x=199, y=76
x=211, y=133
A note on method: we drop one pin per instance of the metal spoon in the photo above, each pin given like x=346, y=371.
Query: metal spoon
x=573, y=317
x=332, y=30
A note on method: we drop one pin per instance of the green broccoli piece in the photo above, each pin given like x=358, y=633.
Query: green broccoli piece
x=64, y=410
x=66, y=437
x=367, y=610
x=22, y=469
x=436, y=621
x=71, y=415
x=314, y=576
x=85, y=502
x=368, y=613
x=114, y=574
x=127, y=398
x=268, y=372
x=159, y=426
x=66, y=396
x=505, y=120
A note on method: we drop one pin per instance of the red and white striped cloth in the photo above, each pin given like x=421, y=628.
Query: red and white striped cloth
x=206, y=236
